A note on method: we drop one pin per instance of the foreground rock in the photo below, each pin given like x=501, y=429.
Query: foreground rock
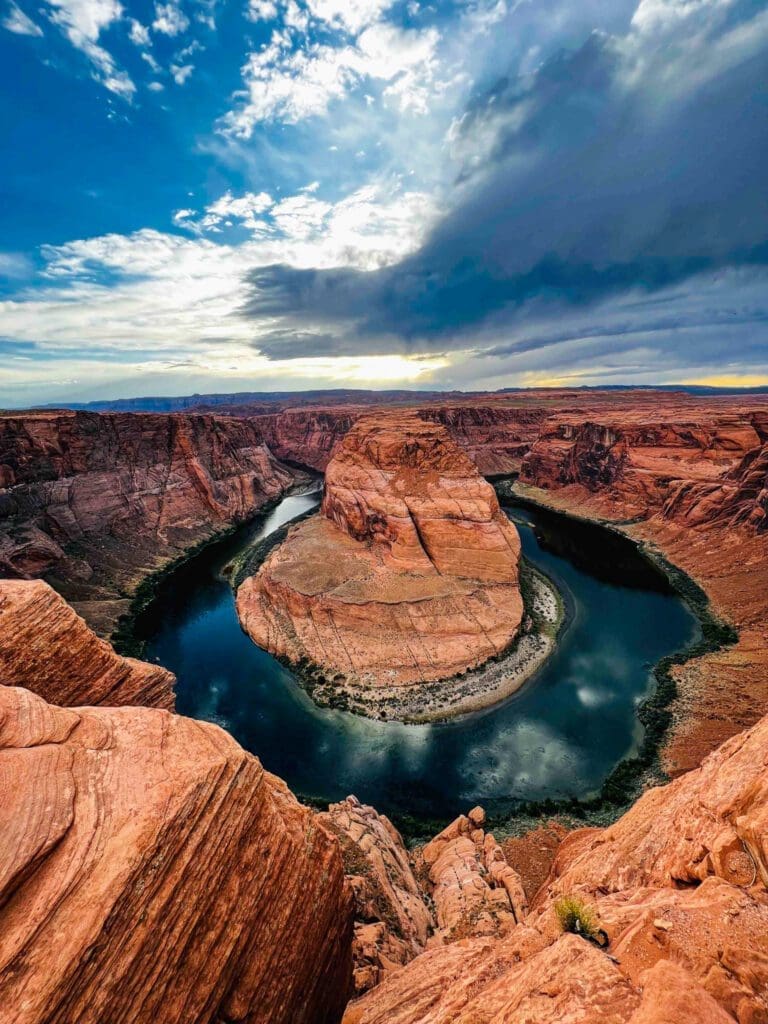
x=46, y=646
x=409, y=574
x=93, y=503
x=151, y=870
x=392, y=919
x=679, y=886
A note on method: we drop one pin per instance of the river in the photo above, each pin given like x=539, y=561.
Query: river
x=558, y=737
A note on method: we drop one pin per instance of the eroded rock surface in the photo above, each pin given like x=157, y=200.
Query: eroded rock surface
x=151, y=870
x=392, y=919
x=92, y=502
x=46, y=647
x=679, y=886
x=408, y=574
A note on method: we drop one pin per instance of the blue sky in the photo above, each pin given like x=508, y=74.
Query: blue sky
x=216, y=195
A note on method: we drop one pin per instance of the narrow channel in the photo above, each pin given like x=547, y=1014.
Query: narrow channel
x=558, y=737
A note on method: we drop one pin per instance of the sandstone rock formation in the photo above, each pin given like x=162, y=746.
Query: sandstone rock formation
x=632, y=461
x=410, y=572
x=689, y=483
x=474, y=889
x=151, y=870
x=92, y=502
x=46, y=647
x=680, y=885
x=392, y=920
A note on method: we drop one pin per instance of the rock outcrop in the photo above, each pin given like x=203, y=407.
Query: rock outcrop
x=92, y=503
x=633, y=462
x=392, y=920
x=738, y=499
x=46, y=647
x=680, y=887
x=475, y=891
x=408, y=574
x=151, y=870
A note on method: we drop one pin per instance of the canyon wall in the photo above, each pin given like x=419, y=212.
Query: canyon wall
x=151, y=870
x=678, y=886
x=46, y=647
x=92, y=502
x=695, y=493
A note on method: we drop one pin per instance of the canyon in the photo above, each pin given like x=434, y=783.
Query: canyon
x=409, y=574
x=150, y=869
x=94, y=503
x=153, y=870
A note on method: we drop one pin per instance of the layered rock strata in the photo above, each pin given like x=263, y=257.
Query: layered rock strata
x=92, y=503
x=409, y=574
x=47, y=647
x=679, y=886
x=151, y=870
x=700, y=505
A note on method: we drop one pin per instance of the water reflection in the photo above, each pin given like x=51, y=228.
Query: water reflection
x=558, y=737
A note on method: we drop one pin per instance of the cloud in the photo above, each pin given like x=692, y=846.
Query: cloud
x=261, y=10
x=138, y=33
x=170, y=20
x=352, y=15
x=82, y=22
x=624, y=167
x=20, y=23
x=290, y=84
x=181, y=72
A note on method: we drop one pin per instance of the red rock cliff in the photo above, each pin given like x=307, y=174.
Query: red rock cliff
x=93, y=502
x=151, y=870
x=46, y=646
x=679, y=885
x=410, y=573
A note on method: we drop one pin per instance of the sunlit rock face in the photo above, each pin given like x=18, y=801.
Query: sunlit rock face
x=151, y=870
x=46, y=647
x=408, y=574
x=635, y=462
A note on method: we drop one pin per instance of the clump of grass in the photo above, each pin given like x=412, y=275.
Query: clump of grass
x=576, y=917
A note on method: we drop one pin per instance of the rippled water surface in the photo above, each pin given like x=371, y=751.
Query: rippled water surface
x=559, y=736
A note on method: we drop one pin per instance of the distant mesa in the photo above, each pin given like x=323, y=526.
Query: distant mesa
x=408, y=574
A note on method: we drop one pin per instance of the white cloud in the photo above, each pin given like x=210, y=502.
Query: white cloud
x=170, y=20
x=352, y=15
x=82, y=21
x=181, y=72
x=290, y=85
x=261, y=10
x=18, y=22
x=139, y=34
x=156, y=87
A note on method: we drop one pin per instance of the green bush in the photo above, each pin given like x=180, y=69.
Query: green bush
x=575, y=916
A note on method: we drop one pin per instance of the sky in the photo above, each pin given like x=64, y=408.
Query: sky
x=224, y=195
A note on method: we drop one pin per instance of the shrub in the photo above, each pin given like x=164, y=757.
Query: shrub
x=575, y=916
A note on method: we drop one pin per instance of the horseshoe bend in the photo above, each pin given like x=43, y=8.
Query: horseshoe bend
x=409, y=576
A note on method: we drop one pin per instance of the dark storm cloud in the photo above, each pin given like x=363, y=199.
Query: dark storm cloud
x=629, y=164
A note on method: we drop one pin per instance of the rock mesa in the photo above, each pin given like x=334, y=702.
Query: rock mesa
x=408, y=574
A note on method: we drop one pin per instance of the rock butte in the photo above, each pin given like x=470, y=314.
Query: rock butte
x=408, y=574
